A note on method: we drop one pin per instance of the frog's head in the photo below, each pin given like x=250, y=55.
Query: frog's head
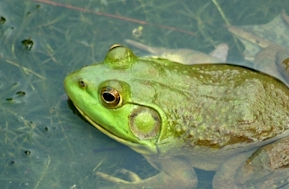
x=113, y=96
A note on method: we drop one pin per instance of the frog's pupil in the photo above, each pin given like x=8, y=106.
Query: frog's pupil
x=108, y=97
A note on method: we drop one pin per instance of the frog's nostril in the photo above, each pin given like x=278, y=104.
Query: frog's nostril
x=82, y=83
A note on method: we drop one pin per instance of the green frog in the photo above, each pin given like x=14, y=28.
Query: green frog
x=220, y=117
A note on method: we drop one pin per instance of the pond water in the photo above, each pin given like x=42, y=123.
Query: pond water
x=44, y=144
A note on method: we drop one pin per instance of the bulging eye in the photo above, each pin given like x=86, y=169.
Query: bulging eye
x=110, y=97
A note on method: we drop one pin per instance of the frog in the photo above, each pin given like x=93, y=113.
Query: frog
x=215, y=117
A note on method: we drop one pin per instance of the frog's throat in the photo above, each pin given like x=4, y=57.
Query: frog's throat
x=136, y=147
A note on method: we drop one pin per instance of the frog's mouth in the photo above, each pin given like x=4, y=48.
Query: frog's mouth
x=140, y=148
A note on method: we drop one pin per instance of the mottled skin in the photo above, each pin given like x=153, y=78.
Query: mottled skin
x=182, y=116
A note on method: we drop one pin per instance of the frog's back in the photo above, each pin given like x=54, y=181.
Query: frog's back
x=222, y=110
x=223, y=105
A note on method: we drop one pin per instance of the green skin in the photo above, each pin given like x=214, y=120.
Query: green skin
x=183, y=116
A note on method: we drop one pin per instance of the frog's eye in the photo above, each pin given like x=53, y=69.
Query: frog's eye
x=110, y=97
